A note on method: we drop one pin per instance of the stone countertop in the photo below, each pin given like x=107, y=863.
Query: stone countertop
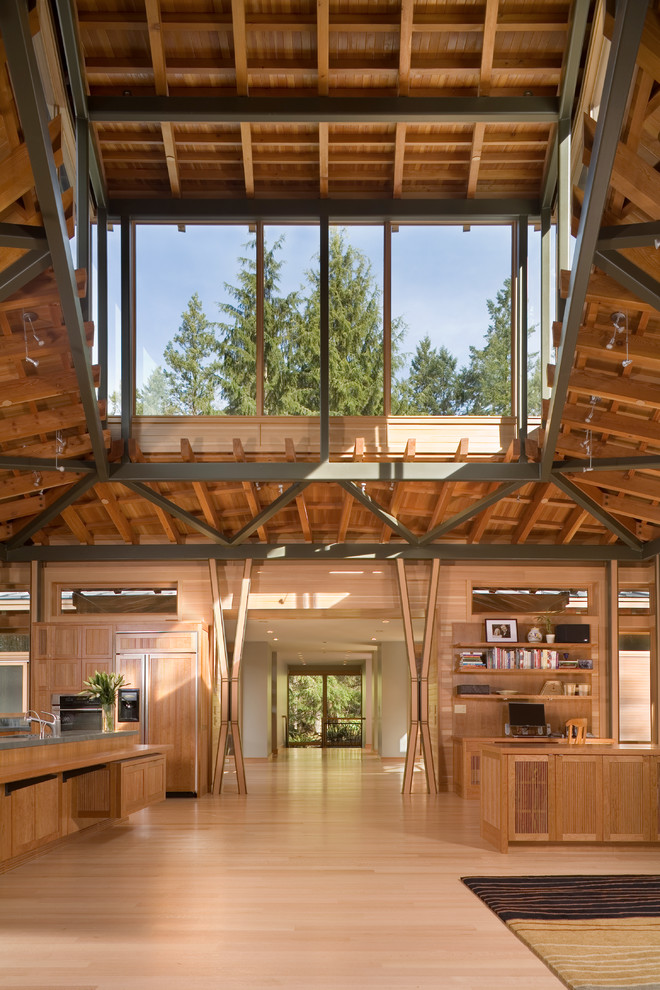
x=25, y=740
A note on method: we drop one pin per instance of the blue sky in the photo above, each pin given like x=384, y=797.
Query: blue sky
x=441, y=278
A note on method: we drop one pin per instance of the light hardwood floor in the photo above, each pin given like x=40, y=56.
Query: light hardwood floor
x=322, y=877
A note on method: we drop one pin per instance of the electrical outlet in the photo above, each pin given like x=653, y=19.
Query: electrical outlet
x=460, y=709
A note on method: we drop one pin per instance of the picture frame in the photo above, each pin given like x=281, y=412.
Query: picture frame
x=501, y=631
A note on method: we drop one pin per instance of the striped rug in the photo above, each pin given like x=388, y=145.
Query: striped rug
x=593, y=932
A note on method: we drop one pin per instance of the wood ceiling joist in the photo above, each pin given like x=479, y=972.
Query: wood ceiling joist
x=167, y=523
x=572, y=525
x=631, y=176
x=16, y=178
x=323, y=46
x=14, y=428
x=324, y=160
x=634, y=508
x=200, y=488
x=35, y=481
x=156, y=45
x=21, y=507
x=643, y=351
x=35, y=388
x=250, y=489
x=405, y=46
x=347, y=500
x=488, y=47
x=400, y=490
x=608, y=292
x=112, y=507
x=531, y=514
x=73, y=520
x=301, y=503
x=632, y=393
x=447, y=489
x=480, y=524
x=42, y=292
x=636, y=485
x=399, y=154
x=54, y=341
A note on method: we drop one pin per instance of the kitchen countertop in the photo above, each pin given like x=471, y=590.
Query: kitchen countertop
x=29, y=740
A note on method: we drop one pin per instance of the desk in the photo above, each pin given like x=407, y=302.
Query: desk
x=562, y=793
x=467, y=757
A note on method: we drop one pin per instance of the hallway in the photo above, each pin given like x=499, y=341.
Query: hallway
x=322, y=877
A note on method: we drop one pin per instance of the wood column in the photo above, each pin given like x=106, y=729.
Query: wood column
x=419, y=673
x=227, y=673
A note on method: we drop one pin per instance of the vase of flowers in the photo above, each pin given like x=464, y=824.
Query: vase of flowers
x=104, y=687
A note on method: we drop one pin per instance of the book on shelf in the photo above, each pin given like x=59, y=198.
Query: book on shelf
x=471, y=658
x=521, y=658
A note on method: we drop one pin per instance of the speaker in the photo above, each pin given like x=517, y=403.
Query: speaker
x=472, y=689
x=572, y=633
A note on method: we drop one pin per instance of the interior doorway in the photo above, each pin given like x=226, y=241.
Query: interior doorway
x=324, y=708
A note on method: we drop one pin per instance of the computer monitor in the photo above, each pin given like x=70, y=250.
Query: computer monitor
x=522, y=713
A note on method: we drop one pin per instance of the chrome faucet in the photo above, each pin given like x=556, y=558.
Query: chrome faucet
x=32, y=716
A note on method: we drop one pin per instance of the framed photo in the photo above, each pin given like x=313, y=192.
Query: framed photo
x=501, y=631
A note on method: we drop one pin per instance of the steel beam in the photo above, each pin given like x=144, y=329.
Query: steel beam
x=174, y=510
x=71, y=46
x=271, y=510
x=570, y=75
x=630, y=276
x=628, y=27
x=522, y=242
x=23, y=236
x=629, y=235
x=581, y=498
x=546, y=299
x=332, y=471
x=23, y=271
x=470, y=511
x=33, y=114
x=379, y=512
x=102, y=301
x=336, y=210
x=172, y=553
x=52, y=512
x=127, y=332
x=320, y=109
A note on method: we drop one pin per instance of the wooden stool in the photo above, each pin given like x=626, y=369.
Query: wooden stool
x=580, y=736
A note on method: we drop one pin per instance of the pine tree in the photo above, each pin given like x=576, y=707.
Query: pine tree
x=432, y=387
x=486, y=381
x=356, y=330
x=194, y=376
x=155, y=398
x=238, y=342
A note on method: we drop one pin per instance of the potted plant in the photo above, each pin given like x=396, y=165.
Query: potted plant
x=546, y=621
x=104, y=687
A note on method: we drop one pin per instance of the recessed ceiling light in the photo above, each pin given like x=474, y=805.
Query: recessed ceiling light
x=269, y=631
x=385, y=621
x=275, y=639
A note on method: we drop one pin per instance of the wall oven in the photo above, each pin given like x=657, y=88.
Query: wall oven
x=78, y=713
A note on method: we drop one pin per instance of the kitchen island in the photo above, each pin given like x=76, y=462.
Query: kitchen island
x=596, y=793
x=53, y=788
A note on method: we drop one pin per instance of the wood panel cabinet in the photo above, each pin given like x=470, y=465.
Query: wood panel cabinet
x=626, y=781
x=584, y=795
x=173, y=716
x=64, y=655
x=35, y=813
x=141, y=783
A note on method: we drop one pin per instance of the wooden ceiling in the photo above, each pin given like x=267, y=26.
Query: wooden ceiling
x=299, y=48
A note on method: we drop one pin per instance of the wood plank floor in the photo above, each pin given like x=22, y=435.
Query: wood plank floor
x=322, y=877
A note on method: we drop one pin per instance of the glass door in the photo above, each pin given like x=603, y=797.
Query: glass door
x=325, y=709
x=305, y=720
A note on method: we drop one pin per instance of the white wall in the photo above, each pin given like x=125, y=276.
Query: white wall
x=394, y=692
x=256, y=700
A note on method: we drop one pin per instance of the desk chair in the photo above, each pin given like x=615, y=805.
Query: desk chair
x=580, y=735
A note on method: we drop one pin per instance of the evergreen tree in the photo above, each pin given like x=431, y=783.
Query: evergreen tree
x=193, y=378
x=155, y=399
x=486, y=381
x=433, y=385
x=356, y=330
x=237, y=345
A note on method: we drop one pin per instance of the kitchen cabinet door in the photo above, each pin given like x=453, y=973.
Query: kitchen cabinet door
x=626, y=783
x=172, y=715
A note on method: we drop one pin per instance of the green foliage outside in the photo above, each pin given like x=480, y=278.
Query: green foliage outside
x=210, y=368
x=343, y=700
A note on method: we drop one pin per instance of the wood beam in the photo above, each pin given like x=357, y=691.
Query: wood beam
x=480, y=524
x=324, y=129
x=475, y=159
x=615, y=424
x=633, y=393
x=399, y=490
x=636, y=485
x=405, y=46
x=447, y=488
x=323, y=46
x=531, y=513
x=575, y=519
x=136, y=455
x=250, y=489
x=73, y=520
x=301, y=505
x=347, y=504
x=113, y=509
x=240, y=46
x=634, y=508
x=248, y=166
x=488, y=47
x=21, y=508
x=399, y=153
x=200, y=488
